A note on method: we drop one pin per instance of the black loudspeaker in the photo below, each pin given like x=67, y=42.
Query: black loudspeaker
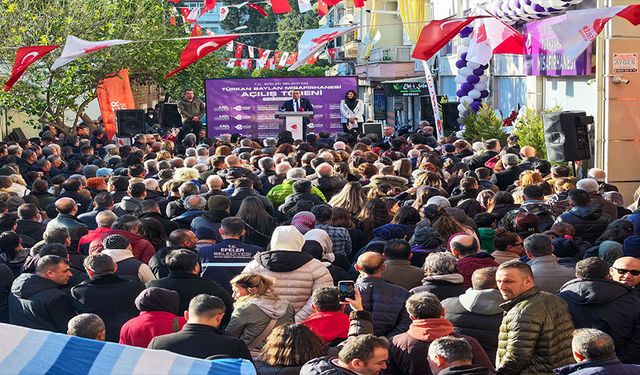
x=372, y=128
x=16, y=135
x=169, y=116
x=129, y=122
x=450, y=116
x=566, y=135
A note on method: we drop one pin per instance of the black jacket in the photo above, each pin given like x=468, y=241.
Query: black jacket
x=6, y=279
x=507, y=177
x=189, y=285
x=36, y=302
x=31, y=229
x=466, y=370
x=589, y=221
x=244, y=172
x=477, y=313
x=599, y=366
x=241, y=193
x=330, y=185
x=109, y=297
x=477, y=161
x=201, y=341
x=385, y=301
x=441, y=288
x=324, y=366
x=264, y=369
x=168, y=225
x=609, y=306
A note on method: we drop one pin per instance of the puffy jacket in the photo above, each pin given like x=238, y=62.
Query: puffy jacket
x=279, y=193
x=139, y=331
x=477, y=313
x=251, y=317
x=330, y=185
x=535, y=334
x=549, y=274
x=126, y=206
x=539, y=208
x=408, y=351
x=75, y=227
x=141, y=248
x=296, y=276
x=36, y=302
x=609, y=306
x=385, y=302
x=589, y=221
x=257, y=184
x=324, y=366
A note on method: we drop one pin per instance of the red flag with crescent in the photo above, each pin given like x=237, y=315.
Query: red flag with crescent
x=24, y=58
x=208, y=5
x=280, y=6
x=436, y=34
x=258, y=8
x=199, y=48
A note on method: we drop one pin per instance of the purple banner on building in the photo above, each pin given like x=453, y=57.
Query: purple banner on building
x=546, y=57
x=248, y=105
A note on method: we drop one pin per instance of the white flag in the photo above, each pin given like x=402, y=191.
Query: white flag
x=224, y=12
x=230, y=47
x=76, y=47
x=491, y=36
x=304, y=5
x=314, y=40
x=251, y=52
x=263, y=59
x=231, y=63
x=577, y=29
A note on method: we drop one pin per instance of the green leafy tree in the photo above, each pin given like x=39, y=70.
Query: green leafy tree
x=484, y=124
x=255, y=23
x=51, y=95
x=291, y=22
x=530, y=131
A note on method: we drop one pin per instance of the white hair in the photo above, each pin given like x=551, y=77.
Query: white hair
x=283, y=168
x=588, y=184
x=190, y=161
x=339, y=145
x=215, y=180
x=295, y=173
x=191, y=151
x=151, y=184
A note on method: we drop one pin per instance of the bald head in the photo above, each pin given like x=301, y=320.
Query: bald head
x=528, y=152
x=66, y=206
x=214, y=182
x=370, y=263
x=324, y=170
x=623, y=269
x=463, y=245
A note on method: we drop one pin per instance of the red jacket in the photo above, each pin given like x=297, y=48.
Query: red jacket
x=141, y=248
x=89, y=237
x=470, y=263
x=140, y=330
x=329, y=326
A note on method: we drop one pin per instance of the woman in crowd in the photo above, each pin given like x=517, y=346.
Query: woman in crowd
x=287, y=348
x=259, y=224
x=351, y=198
x=352, y=113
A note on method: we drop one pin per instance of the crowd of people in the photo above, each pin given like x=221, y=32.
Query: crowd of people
x=468, y=256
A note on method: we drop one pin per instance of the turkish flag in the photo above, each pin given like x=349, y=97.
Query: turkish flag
x=436, y=34
x=197, y=30
x=199, y=48
x=331, y=2
x=24, y=58
x=280, y=6
x=258, y=8
x=358, y=3
x=313, y=59
x=238, y=53
x=323, y=9
x=631, y=14
x=292, y=59
x=208, y=5
x=276, y=56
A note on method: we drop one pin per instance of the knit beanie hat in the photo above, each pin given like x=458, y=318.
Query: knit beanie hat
x=218, y=203
x=286, y=238
x=390, y=232
x=564, y=248
x=304, y=221
x=116, y=242
x=631, y=247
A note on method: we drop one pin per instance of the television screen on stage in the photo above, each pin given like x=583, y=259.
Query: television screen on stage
x=248, y=105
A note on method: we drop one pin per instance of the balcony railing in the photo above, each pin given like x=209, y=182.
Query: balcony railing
x=391, y=54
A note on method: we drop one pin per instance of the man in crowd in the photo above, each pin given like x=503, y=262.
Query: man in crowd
x=450, y=356
x=29, y=222
x=201, y=337
x=191, y=109
x=364, y=354
x=467, y=250
x=589, y=220
x=548, y=273
x=535, y=334
x=88, y=326
x=398, y=268
x=67, y=210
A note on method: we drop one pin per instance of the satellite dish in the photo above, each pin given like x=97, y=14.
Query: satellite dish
x=346, y=19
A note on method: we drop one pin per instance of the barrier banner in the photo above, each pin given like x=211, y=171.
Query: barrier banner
x=248, y=106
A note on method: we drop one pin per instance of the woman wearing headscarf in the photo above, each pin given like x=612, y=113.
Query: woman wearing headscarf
x=159, y=309
x=425, y=240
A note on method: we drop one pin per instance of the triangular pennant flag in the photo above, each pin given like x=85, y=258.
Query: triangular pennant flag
x=292, y=59
x=492, y=36
x=76, y=47
x=276, y=56
x=260, y=51
x=323, y=9
x=436, y=34
x=313, y=59
x=230, y=47
x=231, y=63
x=358, y=3
x=264, y=56
x=197, y=30
x=244, y=64
x=238, y=62
x=280, y=6
x=268, y=64
x=238, y=53
x=258, y=8
x=332, y=53
x=208, y=5
x=314, y=40
x=251, y=51
x=224, y=12
x=283, y=59
x=25, y=56
x=631, y=13
x=199, y=48
x=304, y=6
x=190, y=15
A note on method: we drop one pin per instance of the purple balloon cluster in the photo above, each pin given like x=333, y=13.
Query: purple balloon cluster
x=512, y=11
x=472, y=78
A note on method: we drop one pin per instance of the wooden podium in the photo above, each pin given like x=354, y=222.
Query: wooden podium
x=294, y=122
